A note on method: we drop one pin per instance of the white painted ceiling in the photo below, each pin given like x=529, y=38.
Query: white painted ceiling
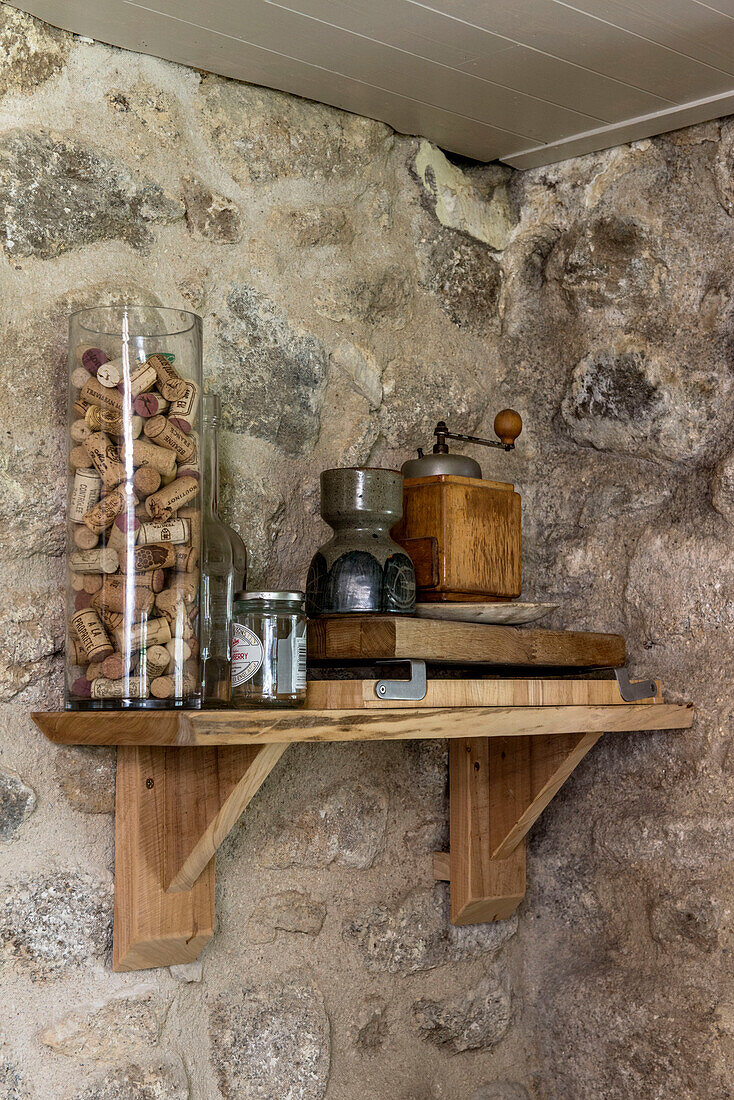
x=527, y=82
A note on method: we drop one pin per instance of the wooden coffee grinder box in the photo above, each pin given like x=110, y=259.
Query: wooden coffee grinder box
x=462, y=532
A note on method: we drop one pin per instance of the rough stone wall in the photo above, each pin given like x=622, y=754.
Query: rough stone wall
x=355, y=286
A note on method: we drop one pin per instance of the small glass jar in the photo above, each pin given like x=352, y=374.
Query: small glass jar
x=268, y=649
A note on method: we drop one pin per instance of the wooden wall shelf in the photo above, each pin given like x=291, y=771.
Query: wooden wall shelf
x=185, y=777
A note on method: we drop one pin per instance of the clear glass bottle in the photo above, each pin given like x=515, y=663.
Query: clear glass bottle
x=134, y=508
x=217, y=569
x=239, y=550
x=239, y=557
x=268, y=649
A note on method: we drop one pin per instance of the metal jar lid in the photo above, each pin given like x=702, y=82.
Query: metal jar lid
x=266, y=597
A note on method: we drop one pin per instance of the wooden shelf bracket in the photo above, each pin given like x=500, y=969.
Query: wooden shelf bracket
x=498, y=787
x=173, y=809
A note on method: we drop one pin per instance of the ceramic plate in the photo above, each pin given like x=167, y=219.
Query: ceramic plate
x=510, y=613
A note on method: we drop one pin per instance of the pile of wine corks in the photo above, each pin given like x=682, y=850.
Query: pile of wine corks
x=135, y=529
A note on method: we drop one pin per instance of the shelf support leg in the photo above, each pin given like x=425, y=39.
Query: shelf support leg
x=498, y=787
x=152, y=928
x=482, y=889
x=203, y=806
x=173, y=809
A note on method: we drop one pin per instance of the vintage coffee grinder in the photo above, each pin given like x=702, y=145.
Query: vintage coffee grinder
x=461, y=531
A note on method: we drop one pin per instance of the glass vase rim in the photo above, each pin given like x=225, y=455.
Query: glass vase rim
x=194, y=318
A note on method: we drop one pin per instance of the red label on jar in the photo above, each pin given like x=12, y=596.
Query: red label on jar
x=247, y=654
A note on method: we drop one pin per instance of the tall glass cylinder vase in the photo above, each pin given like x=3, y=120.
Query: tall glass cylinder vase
x=134, y=508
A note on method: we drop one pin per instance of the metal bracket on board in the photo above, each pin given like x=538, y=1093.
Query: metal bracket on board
x=413, y=689
x=632, y=691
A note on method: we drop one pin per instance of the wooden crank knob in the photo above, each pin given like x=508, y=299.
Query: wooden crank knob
x=507, y=425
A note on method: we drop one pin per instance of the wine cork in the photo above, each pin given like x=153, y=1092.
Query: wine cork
x=123, y=533
x=165, y=434
x=181, y=627
x=150, y=404
x=84, y=494
x=111, y=422
x=76, y=580
x=186, y=560
x=110, y=374
x=79, y=376
x=97, y=394
x=103, y=455
x=79, y=431
x=188, y=583
x=99, y=560
x=192, y=466
x=170, y=602
x=146, y=480
x=166, y=687
x=146, y=453
x=184, y=588
x=76, y=653
x=158, y=580
x=91, y=358
x=80, y=407
x=103, y=514
x=154, y=661
x=81, y=688
x=83, y=537
x=182, y=412
x=127, y=688
x=166, y=501
x=116, y=666
x=116, y=540
x=170, y=382
x=82, y=599
x=111, y=620
x=143, y=559
x=119, y=592
x=191, y=668
x=142, y=378
x=92, y=583
x=79, y=458
x=193, y=515
x=93, y=418
x=94, y=670
x=166, y=479
x=145, y=634
x=178, y=650
x=175, y=532
x=91, y=634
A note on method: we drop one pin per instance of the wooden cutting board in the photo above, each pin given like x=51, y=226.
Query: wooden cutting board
x=386, y=637
x=511, y=613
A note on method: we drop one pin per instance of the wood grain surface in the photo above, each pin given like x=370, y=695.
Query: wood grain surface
x=476, y=526
x=264, y=726
x=482, y=888
x=385, y=637
x=151, y=927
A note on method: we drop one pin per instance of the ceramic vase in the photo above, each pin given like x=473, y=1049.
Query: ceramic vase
x=361, y=569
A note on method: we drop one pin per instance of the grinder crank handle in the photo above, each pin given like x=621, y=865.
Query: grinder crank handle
x=507, y=426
